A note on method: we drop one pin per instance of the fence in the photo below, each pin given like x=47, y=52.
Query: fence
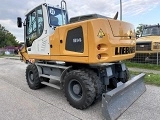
x=145, y=58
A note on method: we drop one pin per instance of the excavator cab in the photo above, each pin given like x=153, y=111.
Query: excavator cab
x=56, y=15
x=40, y=23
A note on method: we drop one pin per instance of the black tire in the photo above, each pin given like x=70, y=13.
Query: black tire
x=32, y=77
x=97, y=83
x=79, y=89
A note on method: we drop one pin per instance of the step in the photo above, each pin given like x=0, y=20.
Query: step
x=53, y=66
x=50, y=76
x=51, y=85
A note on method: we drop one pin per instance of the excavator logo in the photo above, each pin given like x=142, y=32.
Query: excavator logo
x=101, y=33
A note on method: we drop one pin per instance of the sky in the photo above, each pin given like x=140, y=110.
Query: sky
x=134, y=11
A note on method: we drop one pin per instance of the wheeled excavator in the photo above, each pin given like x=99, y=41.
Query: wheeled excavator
x=83, y=56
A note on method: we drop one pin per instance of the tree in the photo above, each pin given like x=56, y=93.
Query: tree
x=7, y=38
x=139, y=29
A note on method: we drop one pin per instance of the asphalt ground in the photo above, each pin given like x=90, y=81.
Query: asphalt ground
x=18, y=102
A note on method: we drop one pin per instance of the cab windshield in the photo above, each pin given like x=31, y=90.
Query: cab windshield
x=151, y=31
x=55, y=16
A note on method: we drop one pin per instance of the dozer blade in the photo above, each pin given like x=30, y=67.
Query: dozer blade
x=117, y=101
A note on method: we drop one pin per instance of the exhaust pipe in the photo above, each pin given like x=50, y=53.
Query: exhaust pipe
x=117, y=101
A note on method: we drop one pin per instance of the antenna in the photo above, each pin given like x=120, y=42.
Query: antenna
x=116, y=16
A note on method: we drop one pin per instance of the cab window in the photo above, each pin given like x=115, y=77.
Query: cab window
x=55, y=16
x=151, y=31
x=34, y=25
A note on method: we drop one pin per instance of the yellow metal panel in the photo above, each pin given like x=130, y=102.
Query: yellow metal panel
x=74, y=59
x=23, y=54
x=55, y=43
x=153, y=40
x=120, y=28
x=96, y=32
x=63, y=30
x=108, y=42
x=39, y=57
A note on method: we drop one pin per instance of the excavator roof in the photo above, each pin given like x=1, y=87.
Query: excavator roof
x=28, y=11
x=86, y=17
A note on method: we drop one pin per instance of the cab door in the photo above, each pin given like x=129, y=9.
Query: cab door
x=37, y=39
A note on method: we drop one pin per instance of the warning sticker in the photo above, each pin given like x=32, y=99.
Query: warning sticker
x=101, y=33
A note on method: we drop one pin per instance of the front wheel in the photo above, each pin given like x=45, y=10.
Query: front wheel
x=32, y=77
x=79, y=89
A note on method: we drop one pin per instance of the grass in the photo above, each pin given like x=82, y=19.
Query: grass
x=142, y=65
x=152, y=79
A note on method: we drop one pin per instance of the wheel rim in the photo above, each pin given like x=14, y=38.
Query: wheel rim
x=30, y=77
x=75, y=89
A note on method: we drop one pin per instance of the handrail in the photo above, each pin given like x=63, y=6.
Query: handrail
x=63, y=2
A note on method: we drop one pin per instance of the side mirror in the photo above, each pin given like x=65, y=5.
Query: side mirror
x=19, y=22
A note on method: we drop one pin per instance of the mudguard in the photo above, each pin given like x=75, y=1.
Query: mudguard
x=118, y=100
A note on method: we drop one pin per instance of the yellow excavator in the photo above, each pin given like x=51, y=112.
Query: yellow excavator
x=82, y=56
x=148, y=45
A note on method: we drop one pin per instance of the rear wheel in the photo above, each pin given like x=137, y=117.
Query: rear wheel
x=97, y=82
x=79, y=89
x=32, y=77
